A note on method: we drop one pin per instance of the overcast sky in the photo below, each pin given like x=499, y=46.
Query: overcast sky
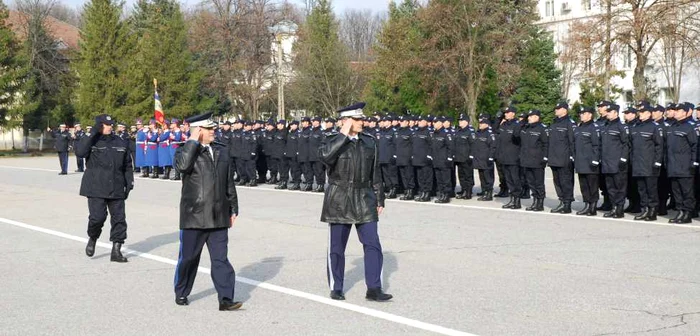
x=338, y=5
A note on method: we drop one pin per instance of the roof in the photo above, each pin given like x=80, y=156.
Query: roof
x=66, y=34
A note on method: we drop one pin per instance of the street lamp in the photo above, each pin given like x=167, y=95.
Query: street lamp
x=282, y=31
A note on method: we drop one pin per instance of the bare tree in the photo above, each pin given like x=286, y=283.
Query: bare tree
x=66, y=14
x=679, y=48
x=359, y=30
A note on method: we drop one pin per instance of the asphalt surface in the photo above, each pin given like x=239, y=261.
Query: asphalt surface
x=464, y=268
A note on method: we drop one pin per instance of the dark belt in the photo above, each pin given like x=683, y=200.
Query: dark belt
x=351, y=184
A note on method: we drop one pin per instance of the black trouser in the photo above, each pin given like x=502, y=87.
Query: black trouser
x=283, y=167
x=81, y=163
x=683, y=193
x=191, y=246
x=603, y=185
x=241, y=169
x=319, y=171
x=453, y=177
x=407, y=177
x=589, y=187
x=564, y=182
x=617, y=187
x=390, y=175
x=648, y=191
x=63, y=161
x=512, y=174
x=442, y=180
x=307, y=171
x=294, y=170
x=632, y=189
x=98, y=215
x=502, y=181
x=664, y=187
x=535, y=181
x=250, y=171
x=261, y=167
x=523, y=181
x=425, y=178
x=697, y=187
x=465, y=170
x=486, y=179
x=273, y=165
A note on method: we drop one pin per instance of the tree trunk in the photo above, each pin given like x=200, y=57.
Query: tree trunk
x=639, y=78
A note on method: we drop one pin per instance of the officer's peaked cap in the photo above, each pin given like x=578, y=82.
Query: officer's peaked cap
x=104, y=119
x=201, y=120
x=352, y=111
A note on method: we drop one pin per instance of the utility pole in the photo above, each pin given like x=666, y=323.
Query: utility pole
x=280, y=78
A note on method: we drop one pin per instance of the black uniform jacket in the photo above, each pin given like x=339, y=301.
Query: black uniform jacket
x=508, y=144
x=403, y=146
x=483, y=149
x=420, y=148
x=587, y=148
x=615, y=147
x=463, y=139
x=561, y=142
x=681, y=146
x=110, y=172
x=647, y=148
x=63, y=140
x=534, y=145
x=441, y=148
x=354, y=191
x=208, y=189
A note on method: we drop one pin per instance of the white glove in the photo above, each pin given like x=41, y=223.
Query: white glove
x=430, y=157
x=595, y=163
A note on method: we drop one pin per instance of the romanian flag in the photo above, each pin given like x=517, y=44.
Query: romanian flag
x=158, y=114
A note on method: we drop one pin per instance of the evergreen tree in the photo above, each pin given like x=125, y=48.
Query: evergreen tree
x=102, y=60
x=539, y=86
x=12, y=65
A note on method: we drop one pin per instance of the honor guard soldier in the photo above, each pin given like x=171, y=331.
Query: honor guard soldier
x=482, y=154
x=387, y=157
x=615, y=155
x=317, y=168
x=402, y=155
x=208, y=208
x=508, y=154
x=631, y=120
x=291, y=155
x=534, y=148
x=682, y=161
x=152, y=149
x=249, y=155
x=107, y=182
x=354, y=197
x=177, y=140
x=442, y=159
x=141, y=148
x=463, y=138
x=602, y=121
x=664, y=185
x=278, y=143
x=647, y=143
x=165, y=161
x=587, y=160
x=79, y=134
x=422, y=160
x=63, y=139
x=561, y=157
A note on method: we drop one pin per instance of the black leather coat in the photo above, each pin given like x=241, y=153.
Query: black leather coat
x=208, y=190
x=109, y=173
x=354, y=190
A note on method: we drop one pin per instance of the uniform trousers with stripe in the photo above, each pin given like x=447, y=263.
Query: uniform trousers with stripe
x=191, y=246
x=338, y=235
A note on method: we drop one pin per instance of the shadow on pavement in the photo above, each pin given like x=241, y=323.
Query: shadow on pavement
x=357, y=273
x=263, y=270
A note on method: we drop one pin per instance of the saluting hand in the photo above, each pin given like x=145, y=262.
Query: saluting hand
x=233, y=219
x=347, y=126
x=195, y=134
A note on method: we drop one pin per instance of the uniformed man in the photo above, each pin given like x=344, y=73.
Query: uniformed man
x=387, y=160
x=165, y=161
x=317, y=167
x=79, y=134
x=204, y=163
x=615, y=155
x=682, y=162
x=63, y=139
x=495, y=124
x=664, y=184
x=303, y=155
x=121, y=132
x=291, y=155
x=630, y=115
x=177, y=140
x=602, y=121
x=235, y=148
x=647, y=154
x=279, y=141
x=421, y=159
x=463, y=138
x=268, y=141
x=402, y=155
x=107, y=182
x=354, y=197
x=141, y=148
x=561, y=157
x=442, y=159
x=534, y=148
x=587, y=160
x=525, y=189
x=482, y=154
x=508, y=154
x=260, y=162
x=152, y=149
x=249, y=154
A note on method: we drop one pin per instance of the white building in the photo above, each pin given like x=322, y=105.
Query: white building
x=557, y=17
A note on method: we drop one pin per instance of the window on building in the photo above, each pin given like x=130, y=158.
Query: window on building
x=629, y=97
x=549, y=8
x=627, y=56
x=586, y=4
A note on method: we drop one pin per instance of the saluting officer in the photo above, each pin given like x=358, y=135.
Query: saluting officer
x=422, y=160
x=508, y=154
x=561, y=157
x=482, y=154
x=615, y=153
x=63, y=138
x=534, y=149
x=387, y=156
x=79, y=134
x=647, y=153
x=442, y=159
x=631, y=120
x=682, y=161
x=403, y=155
x=463, y=138
x=587, y=153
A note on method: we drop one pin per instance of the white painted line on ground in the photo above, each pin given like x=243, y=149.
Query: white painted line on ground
x=308, y=296
x=463, y=206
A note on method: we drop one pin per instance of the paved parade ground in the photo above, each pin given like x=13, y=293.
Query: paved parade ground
x=466, y=268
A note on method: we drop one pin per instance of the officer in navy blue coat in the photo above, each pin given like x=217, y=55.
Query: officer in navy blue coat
x=291, y=155
x=664, y=185
x=63, y=139
x=306, y=168
x=317, y=167
x=631, y=119
x=482, y=154
x=682, y=162
x=587, y=160
x=208, y=208
x=387, y=157
x=534, y=148
x=602, y=121
x=402, y=155
x=421, y=159
x=508, y=154
x=647, y=143
x=279, y=142
x=615, y=156
x=463, y=138
x=561, y=157
x=249, y=154
x=441, y=149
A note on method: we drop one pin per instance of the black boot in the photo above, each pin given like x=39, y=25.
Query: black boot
x=606, y=206
x=407, y=196
x=253, y=183
x=610, y=213
x=674, y=220
x=444, y=199
x=591, y=209
x=516, y=203
x=274, y=180
x=427, y=196
x=619, y=211
x=525, y=194
x=481, y=193
x=439, y=197
x=295, y=186
x=633, y=208
x=558, y=208
x=419, y=196
x=166, y=174
x=154, y=172
x=487, y=196
x=117, y=253
x=392, y=193
x=509, y=205
x=176, y=175
x=651, y=215
x=90, y=248
x=376, y=294
x=567, y=208
x=532, y=206
x=502, y=193
x=144, y=172
x=643, y=215
x=585, y=210
x=467, y=194
x=282, y=185
x=539, y=205
x=662, y=209
x=460, y=195
x=686, y=218
x=320, y=188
